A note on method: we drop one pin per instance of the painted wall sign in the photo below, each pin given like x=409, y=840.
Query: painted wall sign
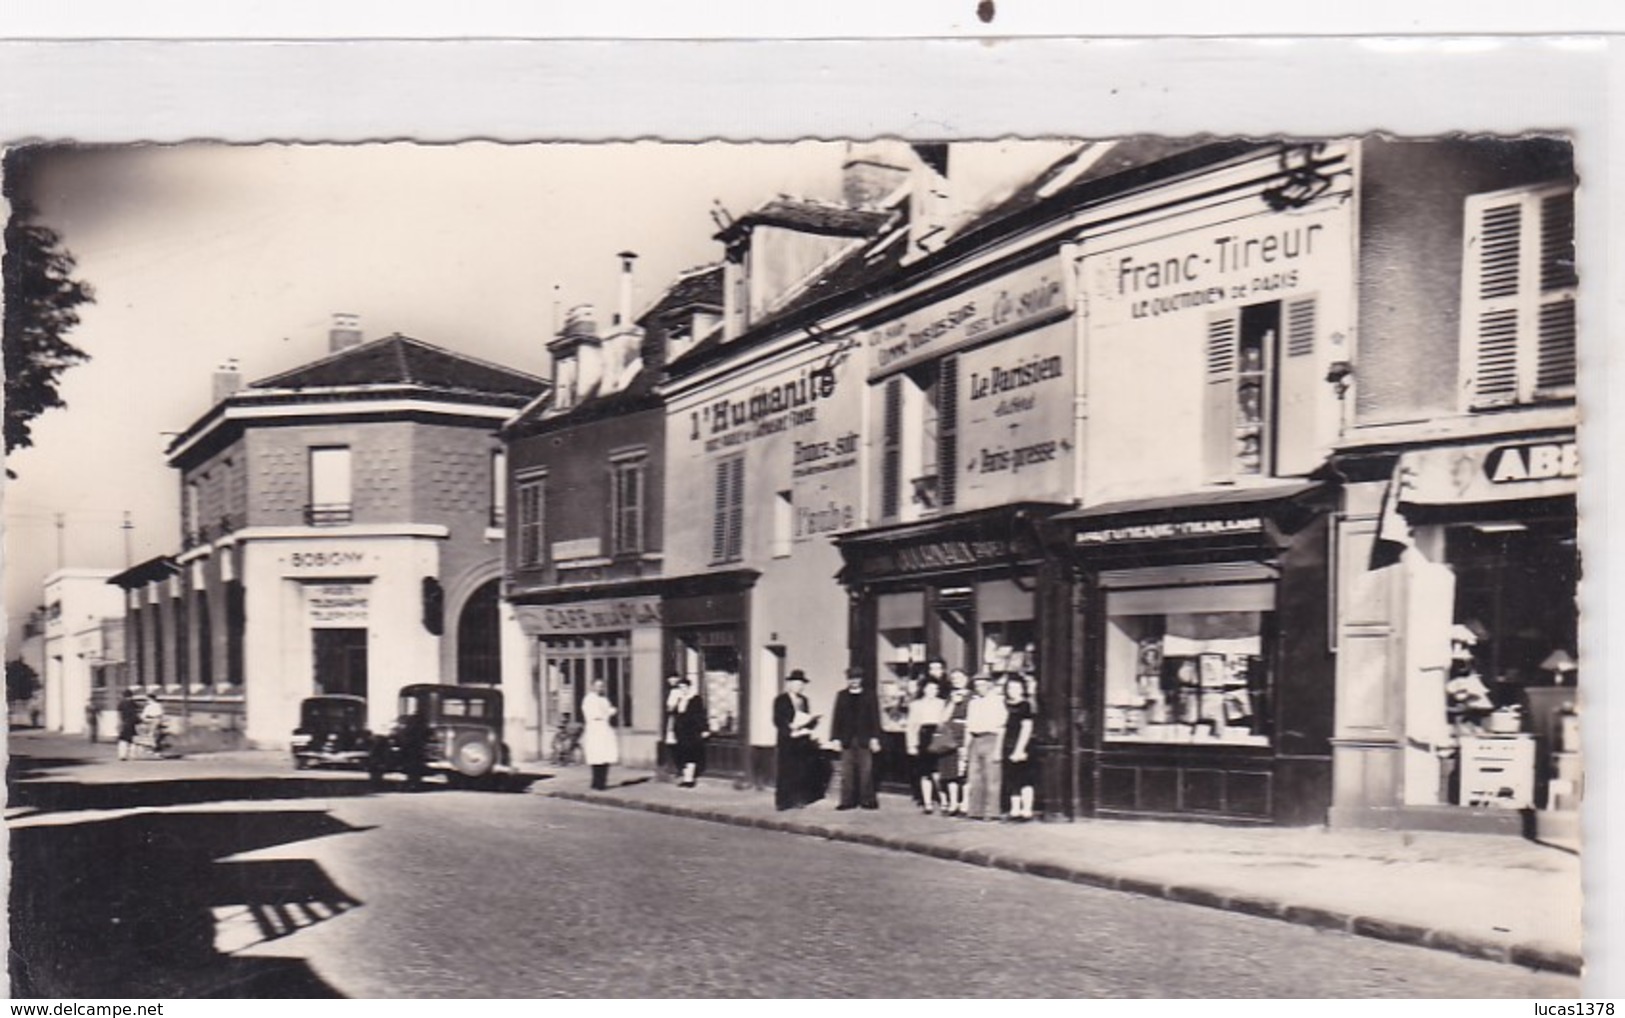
x=1172, y=530
x=935, y=556
x=799, y=426
x=325, y=559
x=1489, y=473
x=769, y=409
x=1255, y=259
x=337, y=605
x=1018, y=300
x=599, y=616
x=581, y=547
x=1015, y=419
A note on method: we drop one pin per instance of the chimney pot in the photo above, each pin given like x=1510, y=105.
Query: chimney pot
x=345, y=332
x=228, y=378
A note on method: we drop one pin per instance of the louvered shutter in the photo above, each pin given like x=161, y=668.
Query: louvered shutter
x=1219, y=399
x=891, y=449
x=736, y=510
x=719, y=516
x=1555, y=327
x=1490, y=300
x=1298, y=448
x=1518, y=288
x=948, y=431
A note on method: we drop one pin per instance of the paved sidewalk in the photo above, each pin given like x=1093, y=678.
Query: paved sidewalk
x=1486, y=896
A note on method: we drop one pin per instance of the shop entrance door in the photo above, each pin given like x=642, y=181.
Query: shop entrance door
x=710, y=657
x=340, y=661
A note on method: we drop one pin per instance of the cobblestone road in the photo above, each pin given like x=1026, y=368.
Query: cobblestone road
x=481, y=894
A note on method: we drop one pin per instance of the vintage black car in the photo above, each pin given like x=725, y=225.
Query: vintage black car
x=453, y=730
x=333, y=731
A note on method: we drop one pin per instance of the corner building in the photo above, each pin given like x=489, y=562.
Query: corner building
x=341, y=534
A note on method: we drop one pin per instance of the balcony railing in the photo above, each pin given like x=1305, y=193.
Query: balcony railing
x=331, y=514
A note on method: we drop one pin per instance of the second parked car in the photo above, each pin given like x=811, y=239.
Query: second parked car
x=453, y=730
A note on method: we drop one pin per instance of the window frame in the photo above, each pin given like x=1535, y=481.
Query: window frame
x=728, y=510
x=628, y=538
x=1518, y=314
x=530, y=519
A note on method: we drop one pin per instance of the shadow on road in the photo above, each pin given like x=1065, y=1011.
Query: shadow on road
x=55, y=796
x=142, y=905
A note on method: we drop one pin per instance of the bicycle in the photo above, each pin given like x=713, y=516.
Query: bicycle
x=567, y=744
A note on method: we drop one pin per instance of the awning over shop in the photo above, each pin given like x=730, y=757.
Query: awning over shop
x=1193, y=501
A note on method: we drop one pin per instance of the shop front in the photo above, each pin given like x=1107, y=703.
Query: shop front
x=971, y=591
x=707, y=638
x=1204, y=668
x=613, y=640
x=1461, y=567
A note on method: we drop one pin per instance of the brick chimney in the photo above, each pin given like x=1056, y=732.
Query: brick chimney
x=228, y=378
x=345, y=332
x=872, y=171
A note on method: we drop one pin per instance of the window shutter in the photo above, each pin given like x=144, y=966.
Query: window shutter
x=1555, y=328
x=1301, y=387
x=948, y=431
x=719, y=518
x=1518, y=289
x=891, y=449
x=1490, y=293
x=1219, y=399
x=736, y=506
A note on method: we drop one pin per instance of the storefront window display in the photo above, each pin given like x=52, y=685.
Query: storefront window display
x=1509, y=688
x=1179, y=674
x=574, y=662
x=711, y=659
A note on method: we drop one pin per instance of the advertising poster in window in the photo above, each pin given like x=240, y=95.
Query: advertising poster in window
x=1015, y=419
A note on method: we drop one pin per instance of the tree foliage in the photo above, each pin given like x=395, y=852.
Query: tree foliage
x=22, y=681
x=42, y=300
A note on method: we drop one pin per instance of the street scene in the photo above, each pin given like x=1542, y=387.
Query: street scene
x=234, y=876
x=588, y=570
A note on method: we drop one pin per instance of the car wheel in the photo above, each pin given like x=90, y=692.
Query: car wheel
x=300, y=763
x=473, y=756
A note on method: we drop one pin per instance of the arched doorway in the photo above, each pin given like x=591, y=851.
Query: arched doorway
x=479, y=637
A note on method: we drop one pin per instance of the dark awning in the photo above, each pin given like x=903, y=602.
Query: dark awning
x=1213, y=498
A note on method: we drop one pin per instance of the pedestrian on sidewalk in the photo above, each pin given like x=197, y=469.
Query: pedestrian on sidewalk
x=1019, y=769
x=950, y=740
x=688, y=729
x=985, y=717
x=925, y=713
x=598, y=742
x=129, y=716
x=855, y=733
x=668, y=738
x=93, y=721
x=796, y=760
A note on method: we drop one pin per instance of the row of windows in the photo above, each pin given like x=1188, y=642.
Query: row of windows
x=628, y=496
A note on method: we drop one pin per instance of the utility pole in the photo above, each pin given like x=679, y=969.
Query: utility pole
x=61, y=526
x=126, y=526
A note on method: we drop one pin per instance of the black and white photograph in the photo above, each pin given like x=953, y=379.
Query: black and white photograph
x=884, y=565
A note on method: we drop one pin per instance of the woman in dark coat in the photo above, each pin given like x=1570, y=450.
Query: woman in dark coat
x=689, y=730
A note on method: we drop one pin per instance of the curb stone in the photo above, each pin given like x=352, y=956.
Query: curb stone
x=1532, y=956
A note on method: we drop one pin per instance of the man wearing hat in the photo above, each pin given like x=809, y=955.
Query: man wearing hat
x=796, y=758
x=854, y=732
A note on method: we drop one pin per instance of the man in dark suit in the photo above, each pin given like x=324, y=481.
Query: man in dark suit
x=796, y=761
x=854, y=731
